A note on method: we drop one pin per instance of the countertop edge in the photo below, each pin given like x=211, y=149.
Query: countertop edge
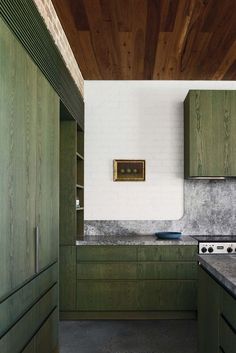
x=217, y=274
x=100, y=240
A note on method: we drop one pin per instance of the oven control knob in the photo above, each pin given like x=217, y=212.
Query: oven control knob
x=210, y=249
x=229, y=249
x=204, y=249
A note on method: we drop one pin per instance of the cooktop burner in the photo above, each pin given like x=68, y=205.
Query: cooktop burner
x=220, y=244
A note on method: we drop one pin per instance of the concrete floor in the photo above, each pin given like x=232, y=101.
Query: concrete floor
x=160, y=336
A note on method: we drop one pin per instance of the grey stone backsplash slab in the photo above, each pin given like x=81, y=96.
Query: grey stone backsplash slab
x=210, y=209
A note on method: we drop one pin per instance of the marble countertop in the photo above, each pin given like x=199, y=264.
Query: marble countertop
x=133, y=240
x=223, y=268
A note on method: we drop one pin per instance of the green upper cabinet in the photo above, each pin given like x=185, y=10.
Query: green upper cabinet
x=210, y=129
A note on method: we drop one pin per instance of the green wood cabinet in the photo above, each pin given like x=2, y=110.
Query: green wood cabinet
x=18, y=303
x=46, y=339
x=68, y=281
x=209, y=129
x=208, y=313
x=167, y=253
x=119, y=295
x=18, y=336
x=95, y=253
x=135, y=279
x=18, y=115
x=47, y=187
x=68, y=131
x=29, y=160
x=29, y=193
x=216, y=316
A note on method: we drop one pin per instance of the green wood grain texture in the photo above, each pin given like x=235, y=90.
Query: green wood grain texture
x=167, y=253
x=29, y=191
x=210, y=127
x=93, y=295
x=138, y=278
x=94, y=253
x=129, y=315
x=19, y=302
x=208, y=313
x=46, y=339
x=30, y=348
x=167, y=270
x=47, y=191
x=141, y=270
x=18, y=88
x=227, y=337
x=68, y=181
x=17, y=338
x=119, y=270
x=68, y=281
x=228, y=307
x=167, y=295
x=118, y=295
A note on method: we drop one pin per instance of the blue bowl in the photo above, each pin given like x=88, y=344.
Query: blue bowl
x=168, y=235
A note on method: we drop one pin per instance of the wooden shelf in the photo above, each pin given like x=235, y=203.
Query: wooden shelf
x=79, y=156
x=79, y=186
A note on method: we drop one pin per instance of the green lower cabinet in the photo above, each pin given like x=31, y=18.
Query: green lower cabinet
x=216, y=316
x=227, y=337
x=99, y=295
x=16, y=339
x=46, y=339
x=167, y=253
x=169, y=295
x=167, y=270
x=208, y=313
x=68, y=281
x=135, y=278
x=136, y=295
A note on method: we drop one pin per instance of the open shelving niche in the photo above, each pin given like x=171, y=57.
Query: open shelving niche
x=71, y=181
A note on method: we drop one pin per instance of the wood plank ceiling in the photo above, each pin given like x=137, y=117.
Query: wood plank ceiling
x=152, y=39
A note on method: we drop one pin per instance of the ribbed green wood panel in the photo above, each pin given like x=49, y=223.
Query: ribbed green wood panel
x=25, y=21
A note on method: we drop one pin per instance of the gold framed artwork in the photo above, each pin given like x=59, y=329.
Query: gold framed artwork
x=128, y=170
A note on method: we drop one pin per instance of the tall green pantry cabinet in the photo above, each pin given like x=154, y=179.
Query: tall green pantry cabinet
x=29, y=194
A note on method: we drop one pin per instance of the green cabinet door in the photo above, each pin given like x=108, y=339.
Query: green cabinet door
x=47, y=188
x=208, y=313
x=210, y=127
x=18, y=88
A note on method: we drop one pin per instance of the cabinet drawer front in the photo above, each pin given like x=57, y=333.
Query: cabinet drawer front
x=168, y=295
x=227, y=337
x=122, y=270
x=46, y=339
x=106, y=253
x=167, y=270
x=18, y=336
x=167, y=253
x=14, y=306
x=107, y=295
x=228, y=307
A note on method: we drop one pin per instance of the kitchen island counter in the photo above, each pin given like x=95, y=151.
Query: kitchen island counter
x=222, y=267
